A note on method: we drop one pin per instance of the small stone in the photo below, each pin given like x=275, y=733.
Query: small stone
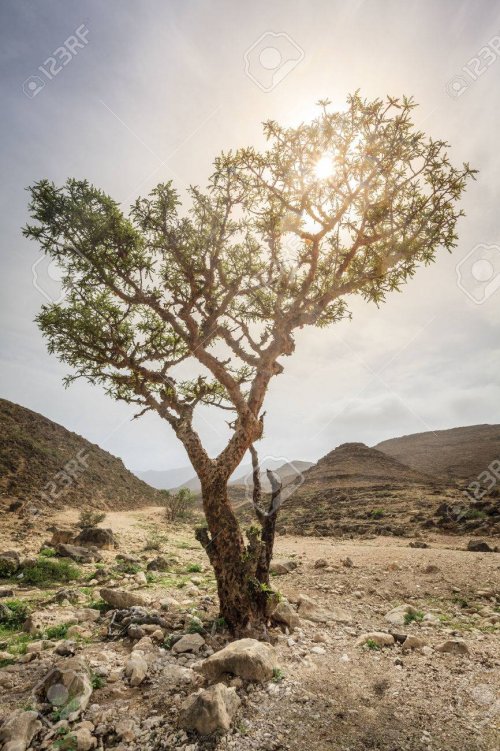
x=318, y=651
x=140, y=578
x=320, y=563
x=284, y=613
x=188, y=643
x=121, y=598
x=454, y=647
x=413, y=642
x=210, y=710
x=380, y=638
x=479, y=546
x=136, y=668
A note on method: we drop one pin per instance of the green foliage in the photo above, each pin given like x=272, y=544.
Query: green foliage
x=178, y=506
x=371, y=644
x=278, y=675
x=127, y=567
x=48, y=570
x=377, y=513
x=7, y=568
x=48, y=552
x=169, y=641
x=194, y=568
x=90, y=518
x=194, y=627
x=155, y=541
x=18, y=612
x=97, y=681
x=219, y=624
x=100, y=605
x=60, y=631
x=413, y=617
x=6, y=661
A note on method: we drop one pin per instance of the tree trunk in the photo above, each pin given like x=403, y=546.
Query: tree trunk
x=242, y=600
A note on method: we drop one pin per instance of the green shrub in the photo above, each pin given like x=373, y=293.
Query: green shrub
x=6, y=661
x=7, y=568
x=377, y=513
x=97, y=681
x=410, y=617
x=371, y=644
x=46, y=570
x=194, y=568
x=126, y=567
x=48, y=552
x=56, y=632
x=14, y=619
x=278, y=675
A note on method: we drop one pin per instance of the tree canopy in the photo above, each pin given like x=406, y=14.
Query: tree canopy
x=348, y=204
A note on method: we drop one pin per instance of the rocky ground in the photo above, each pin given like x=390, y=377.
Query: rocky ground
x=374, y=645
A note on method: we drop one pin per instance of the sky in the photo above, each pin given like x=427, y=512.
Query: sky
x=153, y=91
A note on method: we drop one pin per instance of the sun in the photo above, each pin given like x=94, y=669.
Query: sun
x=324, y=167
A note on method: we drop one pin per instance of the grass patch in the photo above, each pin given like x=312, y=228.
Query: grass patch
x=371, y=644
x=56, y=632
x=416, y=617
x=97, y=681
x=278, y=675
x=19, y=611
x=126, y=567
x=48, y=552
x=46, y=570
x=6, y=662
x=377, y=513
x=194, y=568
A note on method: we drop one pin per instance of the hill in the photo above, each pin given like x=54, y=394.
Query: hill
x=166, y=479
x=356, y=490
x=455, y=454
x=42, y=462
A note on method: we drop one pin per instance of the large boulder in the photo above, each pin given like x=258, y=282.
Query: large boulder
x=401, y=615
x=10, y=562
x=67, y=687
x=479, y=546
x=121, y=599
x=249, y=659
x=96, y=536
x=278, y=568
x=61, y=536
x=210, y=709
x=378, y=638
x=19, y=729
x=78, y=553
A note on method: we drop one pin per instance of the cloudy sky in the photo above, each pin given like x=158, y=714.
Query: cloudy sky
x=152, y=91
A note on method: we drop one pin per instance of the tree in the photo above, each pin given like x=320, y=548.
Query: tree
x=348, y=204
x=177, y=505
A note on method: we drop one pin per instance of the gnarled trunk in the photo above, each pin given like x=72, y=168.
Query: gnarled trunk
x=239, y=568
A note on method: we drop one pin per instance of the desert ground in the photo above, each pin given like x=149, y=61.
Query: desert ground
x=436, y=687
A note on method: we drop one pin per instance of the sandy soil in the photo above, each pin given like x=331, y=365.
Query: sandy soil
x=334, y=695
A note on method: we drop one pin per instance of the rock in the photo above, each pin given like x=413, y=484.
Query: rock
x=84, y=739
x=136, y=668
x=174, y=675
x=431, y=569
x=396, y=616
x=68, y=688
x=413, y=642
x=347, y=562
x=134, y=631
x=318, y=651
x=320, y=563
x=167, y=603
x=140, y=578
x=97, y=537
x=121, y=599
x=454, y=647
x=479, y=546
x=10, y=562
x=210, y=709
x=158, y=564
x=284, y=613
x=40, y=620
x=188, y=643
x=4, y=592
x=126, y=729
x=310, y=610
x=379, y=638
x=65, y=648
x=249, y=659
x=60, y=536
x=418, y=544
x=78, y=554
x=19, y=729
x=279, y=568
x=76, y=631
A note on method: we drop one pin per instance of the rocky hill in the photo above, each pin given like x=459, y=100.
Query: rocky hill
x=455, y=454
x=44, y=463
x=356, y=490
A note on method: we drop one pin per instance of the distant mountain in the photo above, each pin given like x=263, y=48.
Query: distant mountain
x=455, y=454
x=44, y=463
x=166, y=479
x=243, y=474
